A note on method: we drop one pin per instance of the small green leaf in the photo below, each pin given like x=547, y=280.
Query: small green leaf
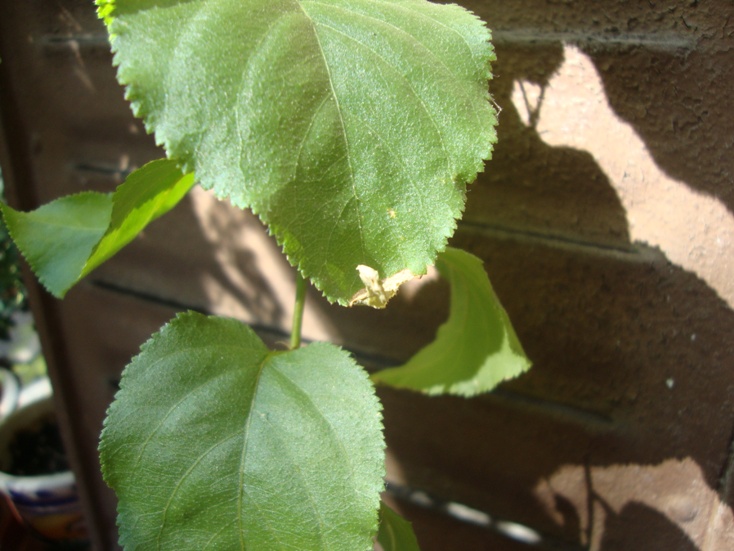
x=147, y=194
x=341, y=123
x=66, y=239
x=216, y=442
x=395, y=533
x=58, y=238
x=475, y=350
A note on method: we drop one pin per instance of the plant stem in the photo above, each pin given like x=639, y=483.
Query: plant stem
x=298, y=311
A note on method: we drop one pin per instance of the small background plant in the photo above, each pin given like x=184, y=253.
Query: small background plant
x=12, y=291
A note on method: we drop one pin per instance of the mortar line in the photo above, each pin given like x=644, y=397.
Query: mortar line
x=634, y=251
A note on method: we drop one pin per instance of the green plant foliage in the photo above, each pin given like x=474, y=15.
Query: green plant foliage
x=146, y=194
x=475, y=350
x=216, y=442
x=341, y=123
x=352, y=129
x=12, y=291
x=58, y=238
x=395, y=533
x=66, y=239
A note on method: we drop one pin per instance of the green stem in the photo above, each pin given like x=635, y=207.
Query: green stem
x=298, y=311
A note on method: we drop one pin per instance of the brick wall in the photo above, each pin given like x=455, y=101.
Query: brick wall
x=606, y=224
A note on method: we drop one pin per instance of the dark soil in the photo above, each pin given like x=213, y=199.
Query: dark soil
x=38, y=449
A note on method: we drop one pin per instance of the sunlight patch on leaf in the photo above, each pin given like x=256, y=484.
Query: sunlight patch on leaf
x=475, y=349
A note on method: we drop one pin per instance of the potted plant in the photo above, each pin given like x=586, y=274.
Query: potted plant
x=352, y=129
x=35, y=478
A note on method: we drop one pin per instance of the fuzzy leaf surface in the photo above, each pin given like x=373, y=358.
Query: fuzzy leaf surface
x=216, y=442
x=342, y=123
x=66, y=239
x=475, y=349
x=395, y=533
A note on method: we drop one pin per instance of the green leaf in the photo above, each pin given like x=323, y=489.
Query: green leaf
x=475, y=350
x=66, y=239
x=215, y=442
x=395, y=533
x=58, y=238
x=343, y=124
x=147, y=194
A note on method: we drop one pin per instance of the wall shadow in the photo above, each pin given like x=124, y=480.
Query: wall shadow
x=678, y=102
x=632, y=353
x=654, y=531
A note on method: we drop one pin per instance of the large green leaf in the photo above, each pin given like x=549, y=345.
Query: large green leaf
x=351, y=127
x=475, y=350
x=66, y=239
x=395, y=533
x=216, y=442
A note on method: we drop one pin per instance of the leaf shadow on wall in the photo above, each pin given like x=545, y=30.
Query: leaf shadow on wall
x=177, y=262
x=632, y=357
x=679, y=102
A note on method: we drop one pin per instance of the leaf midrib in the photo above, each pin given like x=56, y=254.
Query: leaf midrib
x=245, y=446
x=415, y=13
x=337, y=103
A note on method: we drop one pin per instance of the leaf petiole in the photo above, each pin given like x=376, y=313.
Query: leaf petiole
x=298, y=311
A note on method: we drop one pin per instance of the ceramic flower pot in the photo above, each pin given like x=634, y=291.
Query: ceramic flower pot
x=46, y=502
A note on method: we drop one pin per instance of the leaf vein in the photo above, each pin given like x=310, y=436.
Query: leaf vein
x=181, y=480
x=411, y=13
x=345, y=135
x=297, y=468
x=391, y=5
x=417, y=96
x=243, y=457
x=332, y=430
